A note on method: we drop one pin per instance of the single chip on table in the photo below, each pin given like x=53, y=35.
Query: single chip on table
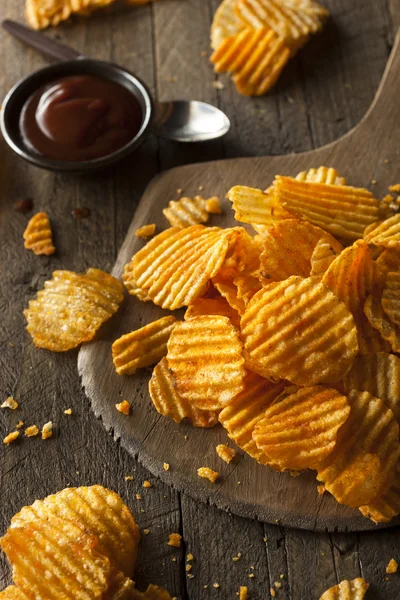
x=100, y=511
x=378, y=319
x=71, y=308
x=38, y=235
x=142, y=347
x=169, y=403
x=13, y=593
x=386, y=233
x=225, y=23
x=213, y=306
x=241, y=416
x=363, y=463
x=299, y=330
x=254, y=57
x=387, y=506
x=56, y=559
x=177, y=265
x=300, y=427
x=378, y=374
x=342, y=210
x=205, y=355
x=391, y=297
x=322, y=257
x=187, y=211
x=255, y=207
x=347, y=590
x=322, y=175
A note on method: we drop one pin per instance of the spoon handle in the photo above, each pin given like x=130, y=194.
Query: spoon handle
x=40, y=42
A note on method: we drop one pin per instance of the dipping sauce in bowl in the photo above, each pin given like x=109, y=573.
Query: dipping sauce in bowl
x=79, y=118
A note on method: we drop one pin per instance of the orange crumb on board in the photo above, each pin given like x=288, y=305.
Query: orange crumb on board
x=208, y=473
x=123, y=407
x=175, y=540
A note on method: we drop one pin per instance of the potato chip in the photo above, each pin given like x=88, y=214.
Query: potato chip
x=247, y=286
x=384, y=508
x=378, y=374
x=71, y=308
x=322, y=175
x=153, y=592
x=343, y=211
x=120, y=588
x=364, y=461
x=12, y=593
x=391, y=297
x=241, y=416
x=347, y=590
x=243, y=256
x=176, y=266
x=187, y=211
x=100, y=511
x=288, y=247
x=41, y=14
x=38, y=235
x=256, y=207
x=229, y=291
x=132, y=286
x=377, y=318
x=300, y=427
x=299, y=330
x=225, y=23
x=213, y=306
x=142, y=347
x=146, y=231
x=56, y=559
x=386, y=233
x=389, y=260
x=255, y=58
x=322, y=257
x=205, y=356
x=169, y=403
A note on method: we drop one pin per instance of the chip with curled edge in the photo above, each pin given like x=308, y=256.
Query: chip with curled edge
x=387, y=506
x=322, y=175
x=347, y=590
x=255, y=207
x=71, y=308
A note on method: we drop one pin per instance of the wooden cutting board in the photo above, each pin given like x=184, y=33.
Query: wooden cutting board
x=367, y=156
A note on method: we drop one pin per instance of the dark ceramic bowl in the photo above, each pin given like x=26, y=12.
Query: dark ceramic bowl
x=20, y=93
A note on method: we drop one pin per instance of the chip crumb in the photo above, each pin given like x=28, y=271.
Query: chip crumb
x=265, y=539
x=208, y=473
x=175, y=540
x=277, y=584
x=32, y=431
x=146, y=231
x=19, y=425
x=395, y=188
x=147, y=484
x=251, y=575
x=128, y=477
x=173, y=559
x=386, y=161
x=179, y=191
x=190, y=575
x=321, y=489
x=171, y=79
x=11, y=437
x=68, y=411
x=203, y=53
x=138, y=497
x=374, y=182
x=272, y=592
x=243, y=592
x=392, y=566
x=189, y=568
x=205, y=586
x=190, y=557
x=166, y=466
x=146, y=531
x=213, y=206
x=226, y=453
x=10, y=403
x=123, y=407
x=237, y=557
x=216, y=585
x=47, y=430
x=281, y=576
x=201, y=188
x=218, y=85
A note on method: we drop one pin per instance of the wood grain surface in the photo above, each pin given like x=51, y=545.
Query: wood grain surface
x=324, y=92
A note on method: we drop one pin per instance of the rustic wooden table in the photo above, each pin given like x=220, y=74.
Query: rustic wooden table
x=322, y=94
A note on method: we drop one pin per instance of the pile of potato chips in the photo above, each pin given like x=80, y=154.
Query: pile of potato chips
x=79, y=543
x=254, y=39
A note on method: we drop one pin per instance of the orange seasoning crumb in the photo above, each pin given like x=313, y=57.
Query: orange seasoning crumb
x=243, y=592
x=68, y=411
x=10, y=403
x=190, y=557
x=123, y=407
x=11, y=437
x=392, y=566
x=208, y=473
x=226, y=453
x=213, y=206
x=19, y=425
x=166, y=467
x=175, y=540
x=47, y=430
x=146, y=231
x=32, y=431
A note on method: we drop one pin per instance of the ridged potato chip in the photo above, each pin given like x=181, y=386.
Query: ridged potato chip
x=41, y=14
x=213, y=306
x=56, y=560
x=347, y=590
x=13, y=593
x=132, y=286
x=389, y=260
x=386, y=233
x=255, y=58
x=322, y=257
x=169, y=403
x=186, y=211
x=288, y=247
x=225, y=23
x=391, y=297
x=142, y=347
x=255, y=207
x=343, y=211
x=378, y=374
x=377, y=318
x=229, y=291
x=100, y=512
x=241, y=416
x=71, y=308
x=363, y=463
x=292, y=20
x=300, y=331
x=384, y=508
x=38, y=235
x=322, y=175
x=205, y=356
x=176, y=266
x=300, y=427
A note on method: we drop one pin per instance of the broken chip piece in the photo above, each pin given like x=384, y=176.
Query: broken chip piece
x=38, y=235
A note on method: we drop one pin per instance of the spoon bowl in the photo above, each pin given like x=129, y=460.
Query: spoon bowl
x=194, y=121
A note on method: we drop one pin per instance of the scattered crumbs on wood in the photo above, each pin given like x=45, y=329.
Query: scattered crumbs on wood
x=186, y=437
x=32, y=431
x=147, y=484
x=138, y=497
x=47, y=430
x=123, y=407
x=239, y=482
x=207, y=473
x=11, y=437
x=166, y=466
x=68, y=411
x=218, y=85
x=392, y=566
x=128, y=477
x=175, y=540
x=10, y=403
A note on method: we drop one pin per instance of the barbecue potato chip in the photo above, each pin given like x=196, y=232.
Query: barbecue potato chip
x=186, y=211
x=225, y=23
x=322, y=175
x=213, y=306
x=241, y=416
x=38, y=235
x=255, y=207
x=299, y=330
x=347, y=590
x=13, y=593
x=205, y=356
x=176, y=266
x=300, y=427
x=71, y=308
x=391, y=297
x=322, y=257
x=255, y=58
x=100, y=511
x=389, y=260
x=247, y=286
x=142, y=347
x=378, y=374
x=55, y=560
x=386, y=233
x=229, y=291
x=169, y=403
x=288, y=247
x=341, y=210
x=363, y=464
x=377, y=318
x=385, y=507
